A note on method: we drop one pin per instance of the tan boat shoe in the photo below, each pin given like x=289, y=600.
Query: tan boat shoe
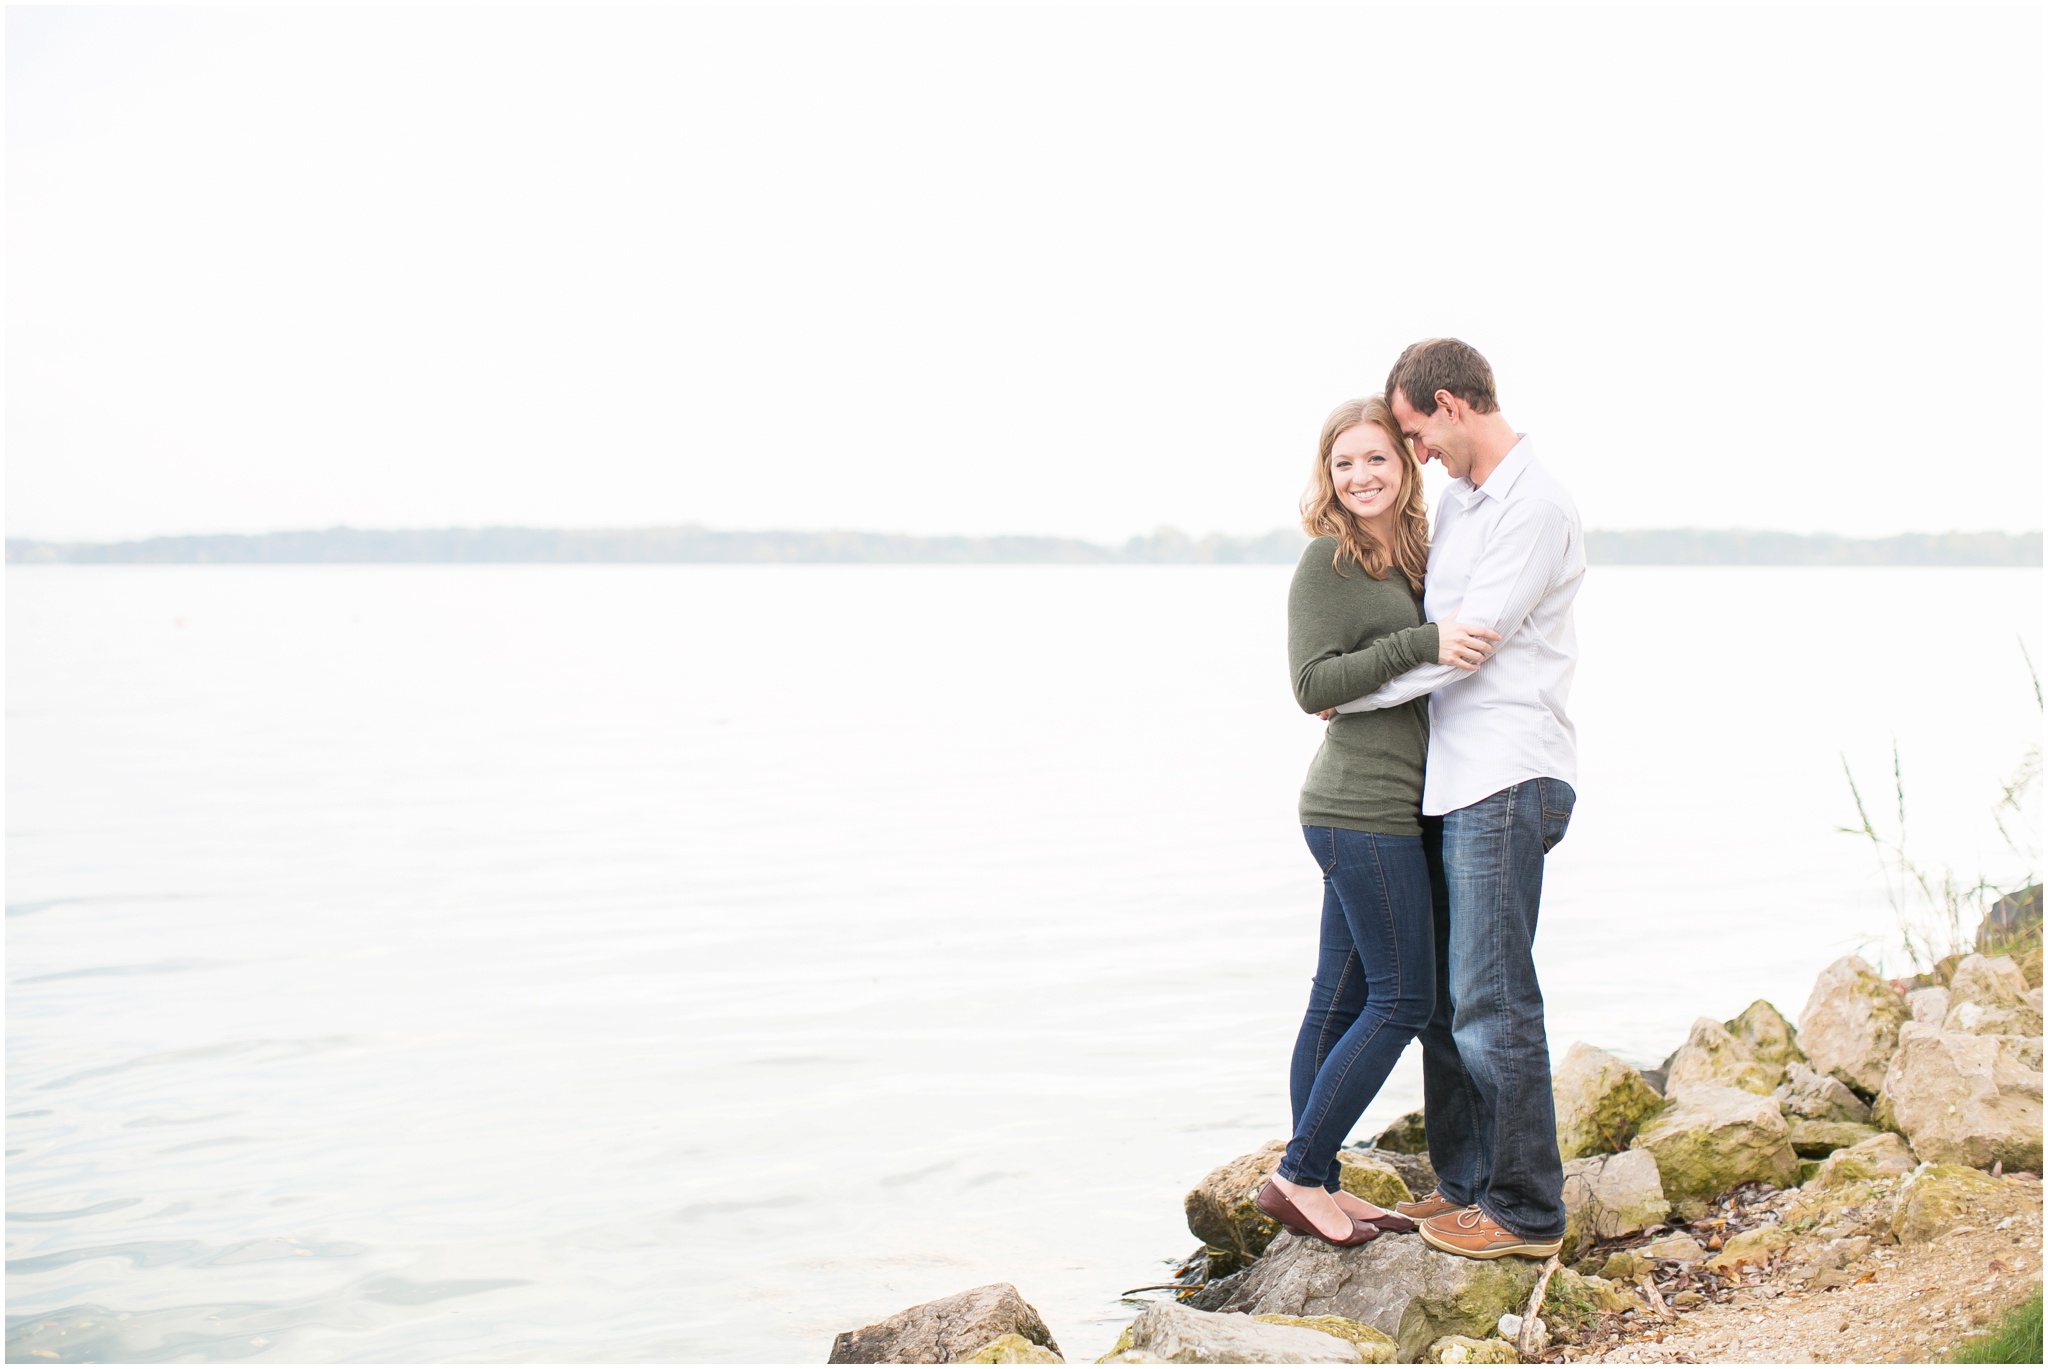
x=1471, y=1233
x=1430, y=1204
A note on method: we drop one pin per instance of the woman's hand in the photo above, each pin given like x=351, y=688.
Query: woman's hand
x=1464, y=646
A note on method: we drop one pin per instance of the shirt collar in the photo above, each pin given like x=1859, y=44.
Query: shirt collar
x=1504, y=475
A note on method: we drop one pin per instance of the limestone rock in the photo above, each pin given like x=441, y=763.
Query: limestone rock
x=1818, y=1097
x=1625, y=1267
x=1709, y=1139
x=944, y=1331
x=1712, y=1055
x=1374, y=1346
x=1601, y=1102
x=1874, y=1157
x=1928, y=1005
x=1988, y=996
x=1816, y=1140
x=1966, y=1099
x=1756, y=1246
x=1677, y=1247
x=1609, y=1295
x=1510, y=1330
x=1769, y=1037
x=1606, y=1196
x=1012, y=1349
x=1405, y=1135
x=1934, y=1200
x=1397, y=1284
x=1467, y=1350
x=1168, y=1333
x=1366, y=1175
x=1851, y=1024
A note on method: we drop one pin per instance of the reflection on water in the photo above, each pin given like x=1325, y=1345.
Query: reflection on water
x=693, y=962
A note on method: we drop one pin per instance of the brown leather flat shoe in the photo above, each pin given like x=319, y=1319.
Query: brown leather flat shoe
x=1281, y=1209
x=1389, y=1223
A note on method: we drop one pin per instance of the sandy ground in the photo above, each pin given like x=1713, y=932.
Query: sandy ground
x=1910, y=1304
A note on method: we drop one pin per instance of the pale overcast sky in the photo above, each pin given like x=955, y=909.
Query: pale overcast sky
x=1055, y=270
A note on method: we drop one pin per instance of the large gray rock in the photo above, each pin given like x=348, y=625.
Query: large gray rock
x=1711, y=1138
x=1851, y=1024
x=1611, y=1195
x=1601, y=1102
x=1988, y=997
x=1396, y=1284
x=1965, y=1099
x=1222, y=1216
x=1167, y=1333
x=1769, y=1037
x=1712, y=1055
x=946, y=1331
x=1818, y=1097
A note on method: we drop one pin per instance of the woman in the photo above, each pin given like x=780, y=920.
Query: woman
x=1354, y=621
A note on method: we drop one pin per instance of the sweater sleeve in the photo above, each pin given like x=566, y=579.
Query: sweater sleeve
x=1321, y=624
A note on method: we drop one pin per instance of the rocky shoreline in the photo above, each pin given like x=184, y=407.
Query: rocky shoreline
x=1871, y=1177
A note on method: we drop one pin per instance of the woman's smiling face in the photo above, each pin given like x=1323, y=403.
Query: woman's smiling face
x=1366, y=471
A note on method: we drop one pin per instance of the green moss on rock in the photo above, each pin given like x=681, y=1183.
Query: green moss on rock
x=1374, y=1346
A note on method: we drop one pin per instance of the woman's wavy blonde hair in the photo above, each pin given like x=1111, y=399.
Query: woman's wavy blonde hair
x=1324, y=515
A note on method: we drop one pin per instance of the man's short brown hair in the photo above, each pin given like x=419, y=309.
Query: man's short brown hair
x=1442, y=363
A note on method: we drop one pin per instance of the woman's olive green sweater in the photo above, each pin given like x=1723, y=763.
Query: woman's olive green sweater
x=1346, y=636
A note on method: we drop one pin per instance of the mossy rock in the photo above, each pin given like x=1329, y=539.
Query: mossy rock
x=1374, y=1346
x=1569, y=1302
x=1601, y=1102
x=1935, y=1199
x=1712, y=1138
x=1758, y=1246
x=1405, y=1135
x=1466, y=1350
x=1818, y=1140
x=1012, y=1349
x=1875, y=1157
x=1768, y=1035
x=1117, y=1351
x=1365, y=1175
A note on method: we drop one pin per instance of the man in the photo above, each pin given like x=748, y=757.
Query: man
x=1508, y=554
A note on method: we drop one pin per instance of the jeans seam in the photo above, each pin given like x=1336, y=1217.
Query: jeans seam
x=1336, y=1000
x=1316, y=1126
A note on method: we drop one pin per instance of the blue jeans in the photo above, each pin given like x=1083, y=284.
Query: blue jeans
x=1375, y=985
x=1487, y=1110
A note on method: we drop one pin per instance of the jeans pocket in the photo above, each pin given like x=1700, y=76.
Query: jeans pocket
x=1322, y=845
x=1558, y=800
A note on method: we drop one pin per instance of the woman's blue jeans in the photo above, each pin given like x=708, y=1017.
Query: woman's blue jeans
x=1375, y=988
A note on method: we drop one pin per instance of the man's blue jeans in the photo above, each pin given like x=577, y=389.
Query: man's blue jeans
x=1374, y=988
x=1487, y=1111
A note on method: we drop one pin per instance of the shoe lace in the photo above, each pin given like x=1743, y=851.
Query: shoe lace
x=1470, y=1218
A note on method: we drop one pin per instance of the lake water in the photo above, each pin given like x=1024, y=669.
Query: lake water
x=606, y=962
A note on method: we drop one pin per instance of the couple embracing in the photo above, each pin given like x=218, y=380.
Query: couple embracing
x=1443, y=780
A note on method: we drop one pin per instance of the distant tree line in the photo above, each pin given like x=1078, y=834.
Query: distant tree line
x=1166, y=546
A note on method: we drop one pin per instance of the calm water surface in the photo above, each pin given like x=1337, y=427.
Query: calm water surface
x=693, y=962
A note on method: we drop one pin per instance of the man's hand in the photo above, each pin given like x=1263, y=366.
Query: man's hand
x=1464, y=646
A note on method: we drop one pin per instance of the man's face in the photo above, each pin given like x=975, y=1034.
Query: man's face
x=1437, y=436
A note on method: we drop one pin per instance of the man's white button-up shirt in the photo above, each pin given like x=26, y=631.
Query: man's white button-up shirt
x=1507, y=555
